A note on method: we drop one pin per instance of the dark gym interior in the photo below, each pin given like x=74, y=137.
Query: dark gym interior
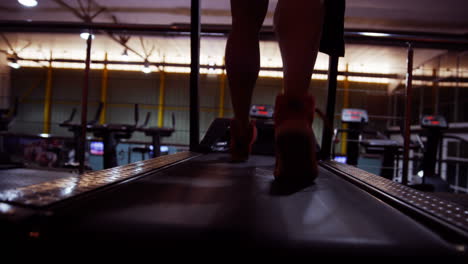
x=122, y=137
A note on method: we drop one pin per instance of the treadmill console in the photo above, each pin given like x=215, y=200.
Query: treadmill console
x=433, y=121
x=350, y=115
x=262, y=111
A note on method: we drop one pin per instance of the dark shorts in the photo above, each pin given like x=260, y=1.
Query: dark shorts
x=332, y=42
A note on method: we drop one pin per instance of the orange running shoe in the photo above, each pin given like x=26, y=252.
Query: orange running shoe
x=241, y=140
x=296, y=162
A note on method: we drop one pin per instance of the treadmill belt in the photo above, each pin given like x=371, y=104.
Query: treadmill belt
x=209, y=201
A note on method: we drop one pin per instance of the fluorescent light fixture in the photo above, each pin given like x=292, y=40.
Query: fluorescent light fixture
x=85, y=35
x=28, y=3
x=44, y=135
x=374, y=34
x=14, y=64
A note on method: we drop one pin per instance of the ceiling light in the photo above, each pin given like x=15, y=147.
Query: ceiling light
x=85, y=35
x=374, y=34
x=28, y=3
x=14, y=64
x=146, y=68
x=125, y=54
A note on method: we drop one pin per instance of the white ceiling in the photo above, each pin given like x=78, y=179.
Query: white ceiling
x=360, y=58
x=418, y=15
x=448, y=16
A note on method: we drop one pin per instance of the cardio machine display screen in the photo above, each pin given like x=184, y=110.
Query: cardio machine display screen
x=433, y=121
x=96, y=148
x=340, y=159
x=261, y=111
x=350, y=115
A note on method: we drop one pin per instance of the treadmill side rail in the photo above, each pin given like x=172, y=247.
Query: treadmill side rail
x=451, y=218
x=51, y=192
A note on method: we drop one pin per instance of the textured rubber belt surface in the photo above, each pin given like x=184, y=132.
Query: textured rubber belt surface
x=50, y=192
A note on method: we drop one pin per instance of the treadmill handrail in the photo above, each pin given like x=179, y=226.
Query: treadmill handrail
x=72, y=116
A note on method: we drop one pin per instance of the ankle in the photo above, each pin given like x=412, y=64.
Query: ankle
x=288, y=107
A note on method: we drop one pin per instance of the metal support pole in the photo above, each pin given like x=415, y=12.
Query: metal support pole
x=48, y=100
x=222, y=88
x=84, y=107
x=421, y=101
x=395, y=109
x=457, y=92
x=435, y=90
x=104, y=86
x=331, y=99
x=440, y=147
x=194, y=74
x=407, y=128
x=162, y=90
x=344, y=135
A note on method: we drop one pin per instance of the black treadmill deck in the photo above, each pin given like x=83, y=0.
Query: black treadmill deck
x=207, y=201
x=193, y=202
